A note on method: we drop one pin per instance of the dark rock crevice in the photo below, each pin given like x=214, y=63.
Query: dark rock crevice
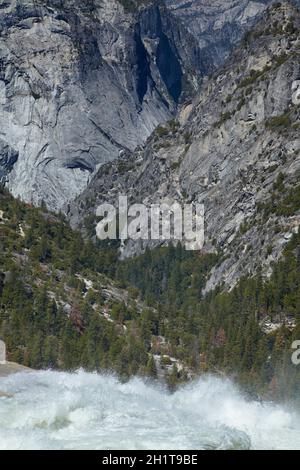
x=169, y=67
x=143, y=68
x=8, y=158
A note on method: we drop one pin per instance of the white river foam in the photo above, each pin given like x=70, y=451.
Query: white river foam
x=53, y=410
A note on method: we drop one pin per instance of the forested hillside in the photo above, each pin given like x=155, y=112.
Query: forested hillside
x=59, y=310
x=247, y=333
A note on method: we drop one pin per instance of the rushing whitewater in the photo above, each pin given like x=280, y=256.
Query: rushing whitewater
x=52, y=410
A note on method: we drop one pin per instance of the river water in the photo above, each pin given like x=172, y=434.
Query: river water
x=53, y=410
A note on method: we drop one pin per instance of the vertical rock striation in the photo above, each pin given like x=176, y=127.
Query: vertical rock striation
x=80, y=82
x=236, y=150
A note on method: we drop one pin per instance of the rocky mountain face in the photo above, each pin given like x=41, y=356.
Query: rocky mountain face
x=218, y=24
x=236, y=149
x=82, y=82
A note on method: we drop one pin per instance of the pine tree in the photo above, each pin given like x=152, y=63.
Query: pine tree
x=151, y=369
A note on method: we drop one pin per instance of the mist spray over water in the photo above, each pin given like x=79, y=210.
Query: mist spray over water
x=53, y=410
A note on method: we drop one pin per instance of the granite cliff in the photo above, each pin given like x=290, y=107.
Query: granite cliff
x=93, y=101
x=218, y=25
x=80, y=82
x=236, y=149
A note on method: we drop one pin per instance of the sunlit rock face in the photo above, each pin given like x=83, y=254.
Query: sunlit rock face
x=80, y=82
x=2, y=352
x=218, y=24
x=228, y=151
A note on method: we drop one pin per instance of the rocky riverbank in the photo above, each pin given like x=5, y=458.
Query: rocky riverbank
x=8, y=369
x=12, y=368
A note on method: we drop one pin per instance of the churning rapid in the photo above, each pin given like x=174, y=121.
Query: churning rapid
x=51, y=410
